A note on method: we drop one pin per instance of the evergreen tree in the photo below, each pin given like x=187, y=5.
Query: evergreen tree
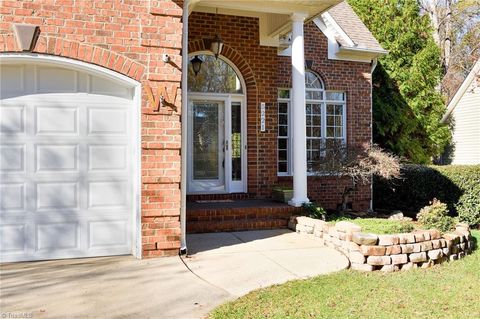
x=407, y=106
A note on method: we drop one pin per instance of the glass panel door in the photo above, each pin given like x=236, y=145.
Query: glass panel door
x=235, y=152
x=216, y=146
x=236, y=144
x=206, y=146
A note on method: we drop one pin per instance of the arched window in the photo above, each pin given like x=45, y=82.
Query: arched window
x=313, y=81
x=325, y=121
x=215, y=76
x=314, y=96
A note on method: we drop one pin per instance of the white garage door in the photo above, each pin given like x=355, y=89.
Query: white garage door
x=67, y=163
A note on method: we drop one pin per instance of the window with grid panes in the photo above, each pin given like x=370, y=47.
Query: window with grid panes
x=283, y=142
x=325, y=120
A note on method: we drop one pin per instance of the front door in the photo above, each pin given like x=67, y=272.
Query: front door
x=216, y=145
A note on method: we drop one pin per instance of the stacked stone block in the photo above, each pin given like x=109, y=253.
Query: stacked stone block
x=388, y=253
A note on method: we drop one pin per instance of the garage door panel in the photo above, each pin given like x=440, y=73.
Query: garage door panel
x=12, y=158
x=56, y=80
x=100, y=86
x=12, y=80
x=56, y=158
x=12, y=120
x=107, y=157
x=108, y=194
x=56, y=120
x=12, y=197
x=102, y=121
x=13, y=238
x=107, y=233
x=57, y=196
x=57, y=236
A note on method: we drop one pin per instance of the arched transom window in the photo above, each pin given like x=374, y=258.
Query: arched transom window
x=325, y=120
x=215, y=76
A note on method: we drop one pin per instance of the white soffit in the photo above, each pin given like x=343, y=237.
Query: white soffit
x=273, y=15
x=340, y=45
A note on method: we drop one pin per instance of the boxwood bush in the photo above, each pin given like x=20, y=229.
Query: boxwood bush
x=436, y=216
x=456, y=185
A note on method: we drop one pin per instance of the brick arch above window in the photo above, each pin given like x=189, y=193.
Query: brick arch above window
x=232, y=55
x=80, y=51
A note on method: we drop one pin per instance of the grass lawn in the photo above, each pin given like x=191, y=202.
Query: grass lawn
x=381, y=225
x=450, y=290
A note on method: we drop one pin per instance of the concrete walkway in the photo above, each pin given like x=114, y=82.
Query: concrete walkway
x=224, y=265
x=239, y=262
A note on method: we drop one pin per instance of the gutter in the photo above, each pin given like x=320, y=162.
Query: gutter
x=374, y=65
x=357, y=49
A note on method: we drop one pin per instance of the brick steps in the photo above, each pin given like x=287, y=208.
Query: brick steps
x=232, y=196
x=262, y=216
x=224, y=226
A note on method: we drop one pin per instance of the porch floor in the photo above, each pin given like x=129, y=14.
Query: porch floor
x=237, y=215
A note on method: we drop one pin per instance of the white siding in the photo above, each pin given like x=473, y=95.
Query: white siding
x=466, y=132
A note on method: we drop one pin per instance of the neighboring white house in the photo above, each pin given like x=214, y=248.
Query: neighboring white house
x=464, y=113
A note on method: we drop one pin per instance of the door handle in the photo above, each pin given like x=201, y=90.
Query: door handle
x=226, y=145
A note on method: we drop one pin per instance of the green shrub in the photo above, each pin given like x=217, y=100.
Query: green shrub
x=313, y=211
x=468, y=207
x=456, y=185
x=436, y=216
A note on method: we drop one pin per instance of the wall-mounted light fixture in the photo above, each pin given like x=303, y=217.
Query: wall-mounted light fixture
x=309, y=64
x=216, y=46
x=196, y=64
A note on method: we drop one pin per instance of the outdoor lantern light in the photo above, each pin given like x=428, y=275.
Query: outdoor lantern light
x=196, y=64
x=216, y=46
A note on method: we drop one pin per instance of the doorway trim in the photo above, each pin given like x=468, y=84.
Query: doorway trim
x=227, y=99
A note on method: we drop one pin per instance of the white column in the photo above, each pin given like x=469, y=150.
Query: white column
x=298, y=113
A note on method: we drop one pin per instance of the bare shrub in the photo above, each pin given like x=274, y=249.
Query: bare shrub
x=357, y=162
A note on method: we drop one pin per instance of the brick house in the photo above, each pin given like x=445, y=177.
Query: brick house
x=94, y=157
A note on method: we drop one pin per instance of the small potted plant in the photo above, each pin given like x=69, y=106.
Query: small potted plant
x=282, y=193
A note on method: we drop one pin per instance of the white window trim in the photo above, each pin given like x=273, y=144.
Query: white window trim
x=323, y=102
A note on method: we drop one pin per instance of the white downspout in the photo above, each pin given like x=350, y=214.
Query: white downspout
x=184, y=132
x=374, y=65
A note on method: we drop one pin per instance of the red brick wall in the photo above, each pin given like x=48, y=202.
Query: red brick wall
x=258, y=66
x=266, y=72
x=128, y=36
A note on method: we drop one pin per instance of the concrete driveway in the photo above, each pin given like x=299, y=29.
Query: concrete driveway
x=116, y=287
x=224, y=266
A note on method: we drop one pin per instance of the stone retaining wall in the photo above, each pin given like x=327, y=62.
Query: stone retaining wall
x=369, y=252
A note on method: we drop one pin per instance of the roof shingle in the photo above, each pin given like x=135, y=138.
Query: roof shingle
x=355, y=29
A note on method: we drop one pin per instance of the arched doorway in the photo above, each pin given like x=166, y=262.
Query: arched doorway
x=216, y=128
